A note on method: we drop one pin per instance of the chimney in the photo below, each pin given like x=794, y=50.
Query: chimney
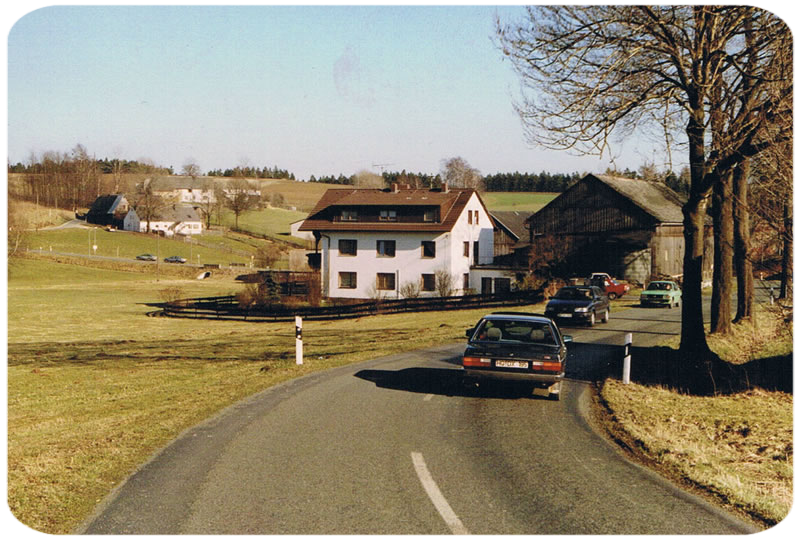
x=445, y=188
x=395, y=187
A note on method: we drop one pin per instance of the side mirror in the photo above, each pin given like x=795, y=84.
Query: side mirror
x=567, y=339
x=469, y=332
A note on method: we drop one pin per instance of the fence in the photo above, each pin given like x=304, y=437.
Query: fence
x=228, y=308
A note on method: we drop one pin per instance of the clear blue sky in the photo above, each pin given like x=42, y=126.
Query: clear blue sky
x=315, y=90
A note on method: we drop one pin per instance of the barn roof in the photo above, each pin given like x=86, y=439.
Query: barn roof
x=176, y=213
x=655, y=198
x=512, y=221
x=105, y=204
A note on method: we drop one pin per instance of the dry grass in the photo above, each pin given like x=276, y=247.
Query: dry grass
x=737, y=447
x=95, y=386
x=38, y=217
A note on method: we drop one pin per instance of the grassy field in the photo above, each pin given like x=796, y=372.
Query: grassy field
x=272, y=223
x=223, y=248
x=737, y=448
x=519, y=201
x=96, y=386
x=303, y=196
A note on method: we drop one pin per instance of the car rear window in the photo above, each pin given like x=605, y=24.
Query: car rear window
x=516, y=331
x=573, y=294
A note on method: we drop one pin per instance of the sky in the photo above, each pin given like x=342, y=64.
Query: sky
x=323, y=90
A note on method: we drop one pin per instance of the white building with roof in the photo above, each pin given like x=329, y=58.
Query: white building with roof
x=169, y=221
x=372, y=242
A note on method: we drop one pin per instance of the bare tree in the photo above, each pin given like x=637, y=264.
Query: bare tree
x=771, y=205
x=191, y=168
x=445, y=283
x=741, y=243
x=410, y=289
x=590, y=72
x=147, y=202
x=367, y=179
x=10, y=235
x=458, y=173
x=239, y=197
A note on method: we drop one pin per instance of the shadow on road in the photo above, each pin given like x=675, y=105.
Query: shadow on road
x=442, y=382
x=586, y=362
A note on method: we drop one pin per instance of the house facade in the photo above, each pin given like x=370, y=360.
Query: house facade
x=632, y=229
x=168, y=221
x=379, y=243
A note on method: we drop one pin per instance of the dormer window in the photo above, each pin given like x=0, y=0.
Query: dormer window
x=429, y=215
x=349, y=215
x=388, y=215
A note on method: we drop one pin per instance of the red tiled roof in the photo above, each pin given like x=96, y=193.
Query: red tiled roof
x=450, y=204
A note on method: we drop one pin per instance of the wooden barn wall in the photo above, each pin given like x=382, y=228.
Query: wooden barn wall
x=589, y=208
x=503, y=243
x=667, y=248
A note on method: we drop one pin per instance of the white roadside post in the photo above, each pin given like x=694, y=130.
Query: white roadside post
x=626, y=361
x=298, y=335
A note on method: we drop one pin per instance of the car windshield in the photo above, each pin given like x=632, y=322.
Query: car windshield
x=659, y=286
x=573, y=294
x=516, y=330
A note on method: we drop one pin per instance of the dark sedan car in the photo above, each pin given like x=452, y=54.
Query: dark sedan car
x=517, y=347
x=580, y=304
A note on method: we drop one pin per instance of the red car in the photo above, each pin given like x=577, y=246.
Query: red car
x=612, y=287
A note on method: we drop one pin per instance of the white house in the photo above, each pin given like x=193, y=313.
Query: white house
x=374, y=241
x=169, y=221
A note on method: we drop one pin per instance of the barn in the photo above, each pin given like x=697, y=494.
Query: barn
x=632, y=229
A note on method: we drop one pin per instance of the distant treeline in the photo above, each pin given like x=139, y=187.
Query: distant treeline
x=516, y=181
x=541, y=182
x=341, y=179
x=103, y=166
x=253, y=172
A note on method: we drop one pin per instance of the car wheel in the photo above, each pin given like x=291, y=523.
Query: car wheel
x=612, y=296
x=592, y=319
x=607, y=315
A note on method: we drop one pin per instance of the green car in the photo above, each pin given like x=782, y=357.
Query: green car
x=661, y=293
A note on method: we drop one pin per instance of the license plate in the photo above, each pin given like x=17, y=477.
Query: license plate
x=565, y=314
x=511, y=364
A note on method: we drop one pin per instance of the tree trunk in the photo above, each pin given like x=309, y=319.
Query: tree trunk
x=695, y=372
x=722, y=212
x=693, y=335
x=741, y=244
x=786, y=263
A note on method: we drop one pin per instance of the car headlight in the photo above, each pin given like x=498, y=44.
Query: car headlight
x=581, y=309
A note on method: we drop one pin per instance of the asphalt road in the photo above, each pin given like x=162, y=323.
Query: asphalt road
x=398, y=446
